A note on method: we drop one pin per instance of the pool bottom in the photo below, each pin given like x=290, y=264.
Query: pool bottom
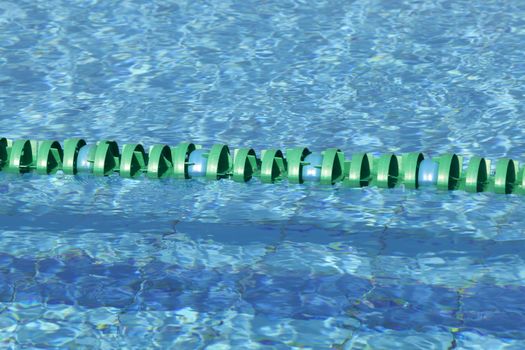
x=298, y=268
x=283, y=295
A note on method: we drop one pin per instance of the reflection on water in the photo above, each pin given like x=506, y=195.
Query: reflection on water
x=114, y=263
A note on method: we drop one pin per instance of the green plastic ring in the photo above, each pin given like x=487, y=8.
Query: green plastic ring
x=359, y=172
x=71, y=148
x=410, y=163
x=132, y=160
x=21, y=157
x=505, y=176
x=476, y=175
x=49, y=157
x=332, y=168
x=219, y=162
x=521, y=181
x=387, y=171
x=180, y=155
x=449, y=172
x=273, y=165
x=107, y=158
x=159, y=163
x=245, y=164
x=5, y=146
x=295, y=158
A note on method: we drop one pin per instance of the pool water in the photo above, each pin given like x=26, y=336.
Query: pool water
x=112, y=263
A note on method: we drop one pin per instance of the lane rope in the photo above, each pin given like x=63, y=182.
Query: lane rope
x=297, y=165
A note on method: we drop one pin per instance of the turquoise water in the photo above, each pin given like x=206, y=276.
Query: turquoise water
x=112, y=263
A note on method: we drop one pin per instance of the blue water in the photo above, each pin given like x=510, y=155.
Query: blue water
x=112, y=263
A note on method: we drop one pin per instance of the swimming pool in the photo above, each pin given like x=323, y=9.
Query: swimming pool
x=89, y=262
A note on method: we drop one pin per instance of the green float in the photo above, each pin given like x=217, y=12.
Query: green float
x=273, y=166
x=329, y=167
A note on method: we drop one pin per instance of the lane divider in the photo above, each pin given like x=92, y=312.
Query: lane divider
x=187, y=160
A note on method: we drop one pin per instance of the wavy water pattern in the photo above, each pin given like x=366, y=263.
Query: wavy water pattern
x=113, y=263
